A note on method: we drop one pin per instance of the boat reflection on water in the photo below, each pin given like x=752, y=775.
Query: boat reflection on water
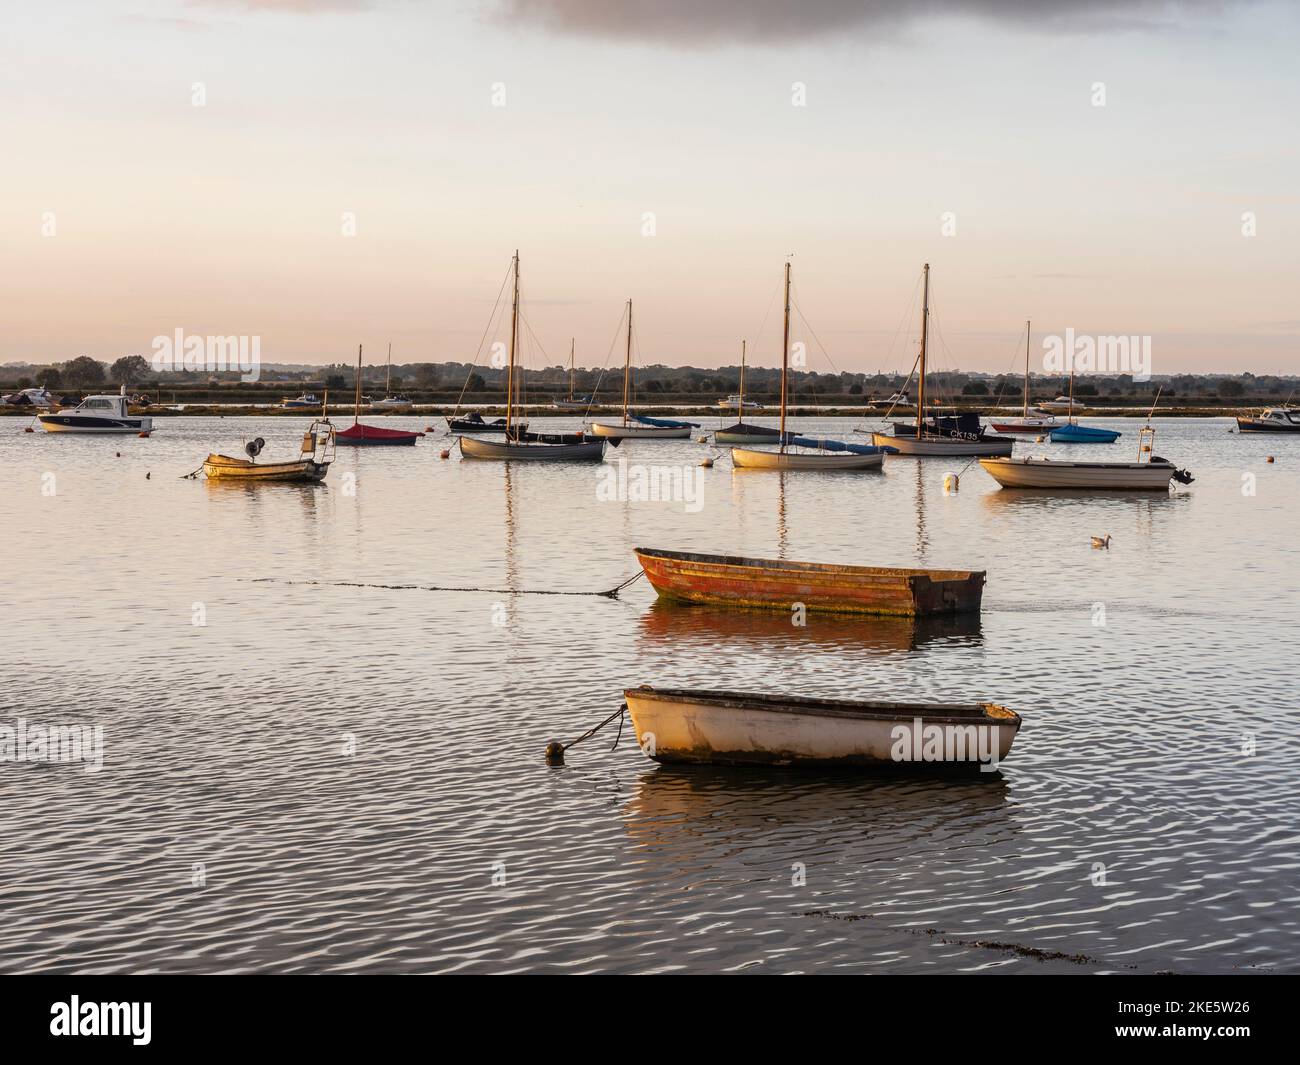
x=675, y=624
x=753, y=819
x=1013, y=500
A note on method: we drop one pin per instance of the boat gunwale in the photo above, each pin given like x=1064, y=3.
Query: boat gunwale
x=1041, y=463
x=743, y=562
x=848, y=709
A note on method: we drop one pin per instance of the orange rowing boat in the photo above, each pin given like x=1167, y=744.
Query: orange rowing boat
x=729, y=580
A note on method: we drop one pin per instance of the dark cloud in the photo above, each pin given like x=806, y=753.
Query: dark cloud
x=712, y=22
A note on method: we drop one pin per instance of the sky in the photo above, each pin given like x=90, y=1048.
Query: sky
x=324, y=174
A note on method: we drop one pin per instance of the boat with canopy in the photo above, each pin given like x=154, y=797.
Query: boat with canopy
x=744, y=432
x=1074, y=433
x=524, y=450
x=372, y=435
x=638, y=426
x=1031, y=421
x=823, y=454
x=958, y=435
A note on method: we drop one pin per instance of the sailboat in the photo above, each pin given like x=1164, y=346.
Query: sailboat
x=581, y=402
x=1074, y=433
x=635, y=426
x=357, y=433
x=831, y=454
x=511, y=449
x=959, y=435
x=741, y=433
x=1031, y=422
x=390, y=401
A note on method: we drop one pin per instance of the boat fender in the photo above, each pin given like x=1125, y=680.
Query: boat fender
x=950, y=483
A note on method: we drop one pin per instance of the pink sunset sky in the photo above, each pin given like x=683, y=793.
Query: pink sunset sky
x=1105, y=167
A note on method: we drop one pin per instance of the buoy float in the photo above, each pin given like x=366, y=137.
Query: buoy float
x=702, y=439
x=144, y=436
x=147, y=476
x=707, y=463
x=1040, y=439
x=951, y=482
x=555, y=753
x=445, y=453
x=1270, y=458
x=29, y=429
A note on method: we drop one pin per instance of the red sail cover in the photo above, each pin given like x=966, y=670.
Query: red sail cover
x=373, y=434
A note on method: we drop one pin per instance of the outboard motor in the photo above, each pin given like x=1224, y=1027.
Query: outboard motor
x=1183, y=476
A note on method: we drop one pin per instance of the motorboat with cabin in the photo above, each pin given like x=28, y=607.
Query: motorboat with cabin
x=98, y=414
x=1272, y=420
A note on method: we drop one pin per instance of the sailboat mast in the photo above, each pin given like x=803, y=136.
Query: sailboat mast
x=1071, y=418
x=925, y=323
x=388, y=374
x=785, y=354
x=1026, y=410
x=572, y=371
x=740, y=414
x=627, y=362
x=514, y=336
x=356, y=411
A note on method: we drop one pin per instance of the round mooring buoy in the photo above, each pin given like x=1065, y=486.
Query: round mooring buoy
x=951, y=482
x=707, y=463
x=555, y=753
x=29, y=429
x=1270, y=458
x=1040, y=440
x=445, y=453
x=702, y=439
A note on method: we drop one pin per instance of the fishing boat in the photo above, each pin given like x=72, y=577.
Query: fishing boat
x=306, y=399
x=572, y=403
x=769, y=584
x=312, y=464
x=678, y=725
x=1150, y=474
x=511, y=449
x=737, y=400
x=962, y=435
x=1272, y=420
x=1059, y=403
x=744, y=432
x=390, y=401
x=1031, y=421
x=98, y=414
x=636, y=426
x=823, y=454
x=372, y=435
x=1074, y=433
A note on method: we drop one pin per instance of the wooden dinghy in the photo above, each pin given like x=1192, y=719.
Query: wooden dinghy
x=742, y=728
x=730, y=580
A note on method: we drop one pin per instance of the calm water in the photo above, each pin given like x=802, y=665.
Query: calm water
x=228, y=830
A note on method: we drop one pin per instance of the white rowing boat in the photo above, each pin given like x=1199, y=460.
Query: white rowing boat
x=739, y=728
x=1054, y=473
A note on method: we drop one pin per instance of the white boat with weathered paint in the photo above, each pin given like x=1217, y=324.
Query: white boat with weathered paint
x=943, y=446
x=742, y=728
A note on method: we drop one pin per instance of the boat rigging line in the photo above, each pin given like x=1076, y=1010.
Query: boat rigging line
x=609, y=593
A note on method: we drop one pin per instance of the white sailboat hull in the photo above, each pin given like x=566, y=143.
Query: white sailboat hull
x=472, y=447
x=752, y=459
x=929, y=445
x=1052, y=473
x=618, y=431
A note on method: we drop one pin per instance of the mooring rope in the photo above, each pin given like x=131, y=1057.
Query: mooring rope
x=555, y=749
x=611, y=593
